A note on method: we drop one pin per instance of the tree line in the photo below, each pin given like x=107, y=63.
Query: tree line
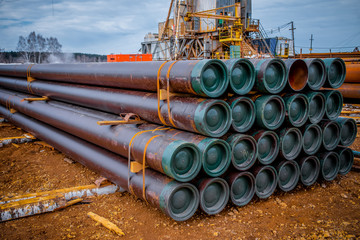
x=35, y=48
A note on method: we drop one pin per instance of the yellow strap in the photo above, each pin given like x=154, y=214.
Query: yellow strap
x=158, y=92
x=144, y=164
x=168, y=93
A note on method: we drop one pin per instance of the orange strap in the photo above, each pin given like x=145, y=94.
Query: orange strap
x=158, y=92
x=129, y=151
x=29, y=78
x=143, y=169
x=168, y=93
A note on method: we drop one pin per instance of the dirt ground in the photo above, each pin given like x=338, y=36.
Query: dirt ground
x=325, y=210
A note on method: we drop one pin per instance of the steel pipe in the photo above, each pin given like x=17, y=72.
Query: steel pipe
x=291, y=143
x=346, y=157
x=330, y=165
x=336, y=72
x=242, y=75
x=177, y=159
x=265, y=181
x=243, y=151
x=215, y=153
x=352, y=72
x=297, y=108
x=333, y=104
x=214, y=194
x=242, y=187
x=350, y=90
x=271, y=75
x=204, y=78
x=270, y=111
x=288, y=175
x=331, y=134
x=297, y=74
x=348, y=131
x=268, y=145
x=210, y=117
x=312, y=138
x=309, y=170
x=317, y=73
x=177, y=200
x=243, y=114
x=317, y=106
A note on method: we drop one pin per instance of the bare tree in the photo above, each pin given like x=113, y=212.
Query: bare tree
x=33, y=46
x=41, y=45
x=53, y=45
x=22, y=47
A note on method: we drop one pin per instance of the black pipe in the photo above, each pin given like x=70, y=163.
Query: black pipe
x=204, y=78
x=177, y=159
x=177, y=200
x=209, y=117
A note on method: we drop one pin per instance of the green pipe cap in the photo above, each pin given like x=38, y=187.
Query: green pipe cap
x=242, y=75
x=242, y=189
x=309, y=170
x=216, y=156
x=297, y=107
x=346, y=160
x=317, y=73
x=268, y=147
x=243, y=114
x=331, y=135
x=214, y=196
x=181, y=161
x=348, y=131
x=179, y=200
x=316, y=106
x=244, y=151
x=291, y=143
x=288, y=175
x=330, y=165
x=210, y=78
x=312, y=139
x=265, y=182
x=336, y=72
x=270, y=111
x=333, y=104
x=212, y=118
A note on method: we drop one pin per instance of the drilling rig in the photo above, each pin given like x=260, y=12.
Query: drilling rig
x=208, y=29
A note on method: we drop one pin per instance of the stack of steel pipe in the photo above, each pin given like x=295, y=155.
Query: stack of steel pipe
x=183, y=135
x=351, y=88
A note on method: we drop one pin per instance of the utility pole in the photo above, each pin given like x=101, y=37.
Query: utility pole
x=293, y=35
x=311, y=41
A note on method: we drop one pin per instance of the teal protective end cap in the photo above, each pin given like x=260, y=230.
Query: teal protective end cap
x=181, y=161
x=210, y=78
x=179, y=200
x=213, y=118
x=216, y=156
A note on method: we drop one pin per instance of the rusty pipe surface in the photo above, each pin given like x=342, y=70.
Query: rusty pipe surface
x=204, y=77
x=297, y=74
x=350, y=90
x=352, y=72
x=177, y=200
x=215, y=153
x=177, y=159
x=209, y=117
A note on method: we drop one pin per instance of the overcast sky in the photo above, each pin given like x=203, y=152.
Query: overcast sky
x=119, y=26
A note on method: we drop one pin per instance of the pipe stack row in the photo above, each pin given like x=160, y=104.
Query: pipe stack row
x=351, y=88
x=211, y=130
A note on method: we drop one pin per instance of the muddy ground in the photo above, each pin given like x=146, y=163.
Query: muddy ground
x=325, y=210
